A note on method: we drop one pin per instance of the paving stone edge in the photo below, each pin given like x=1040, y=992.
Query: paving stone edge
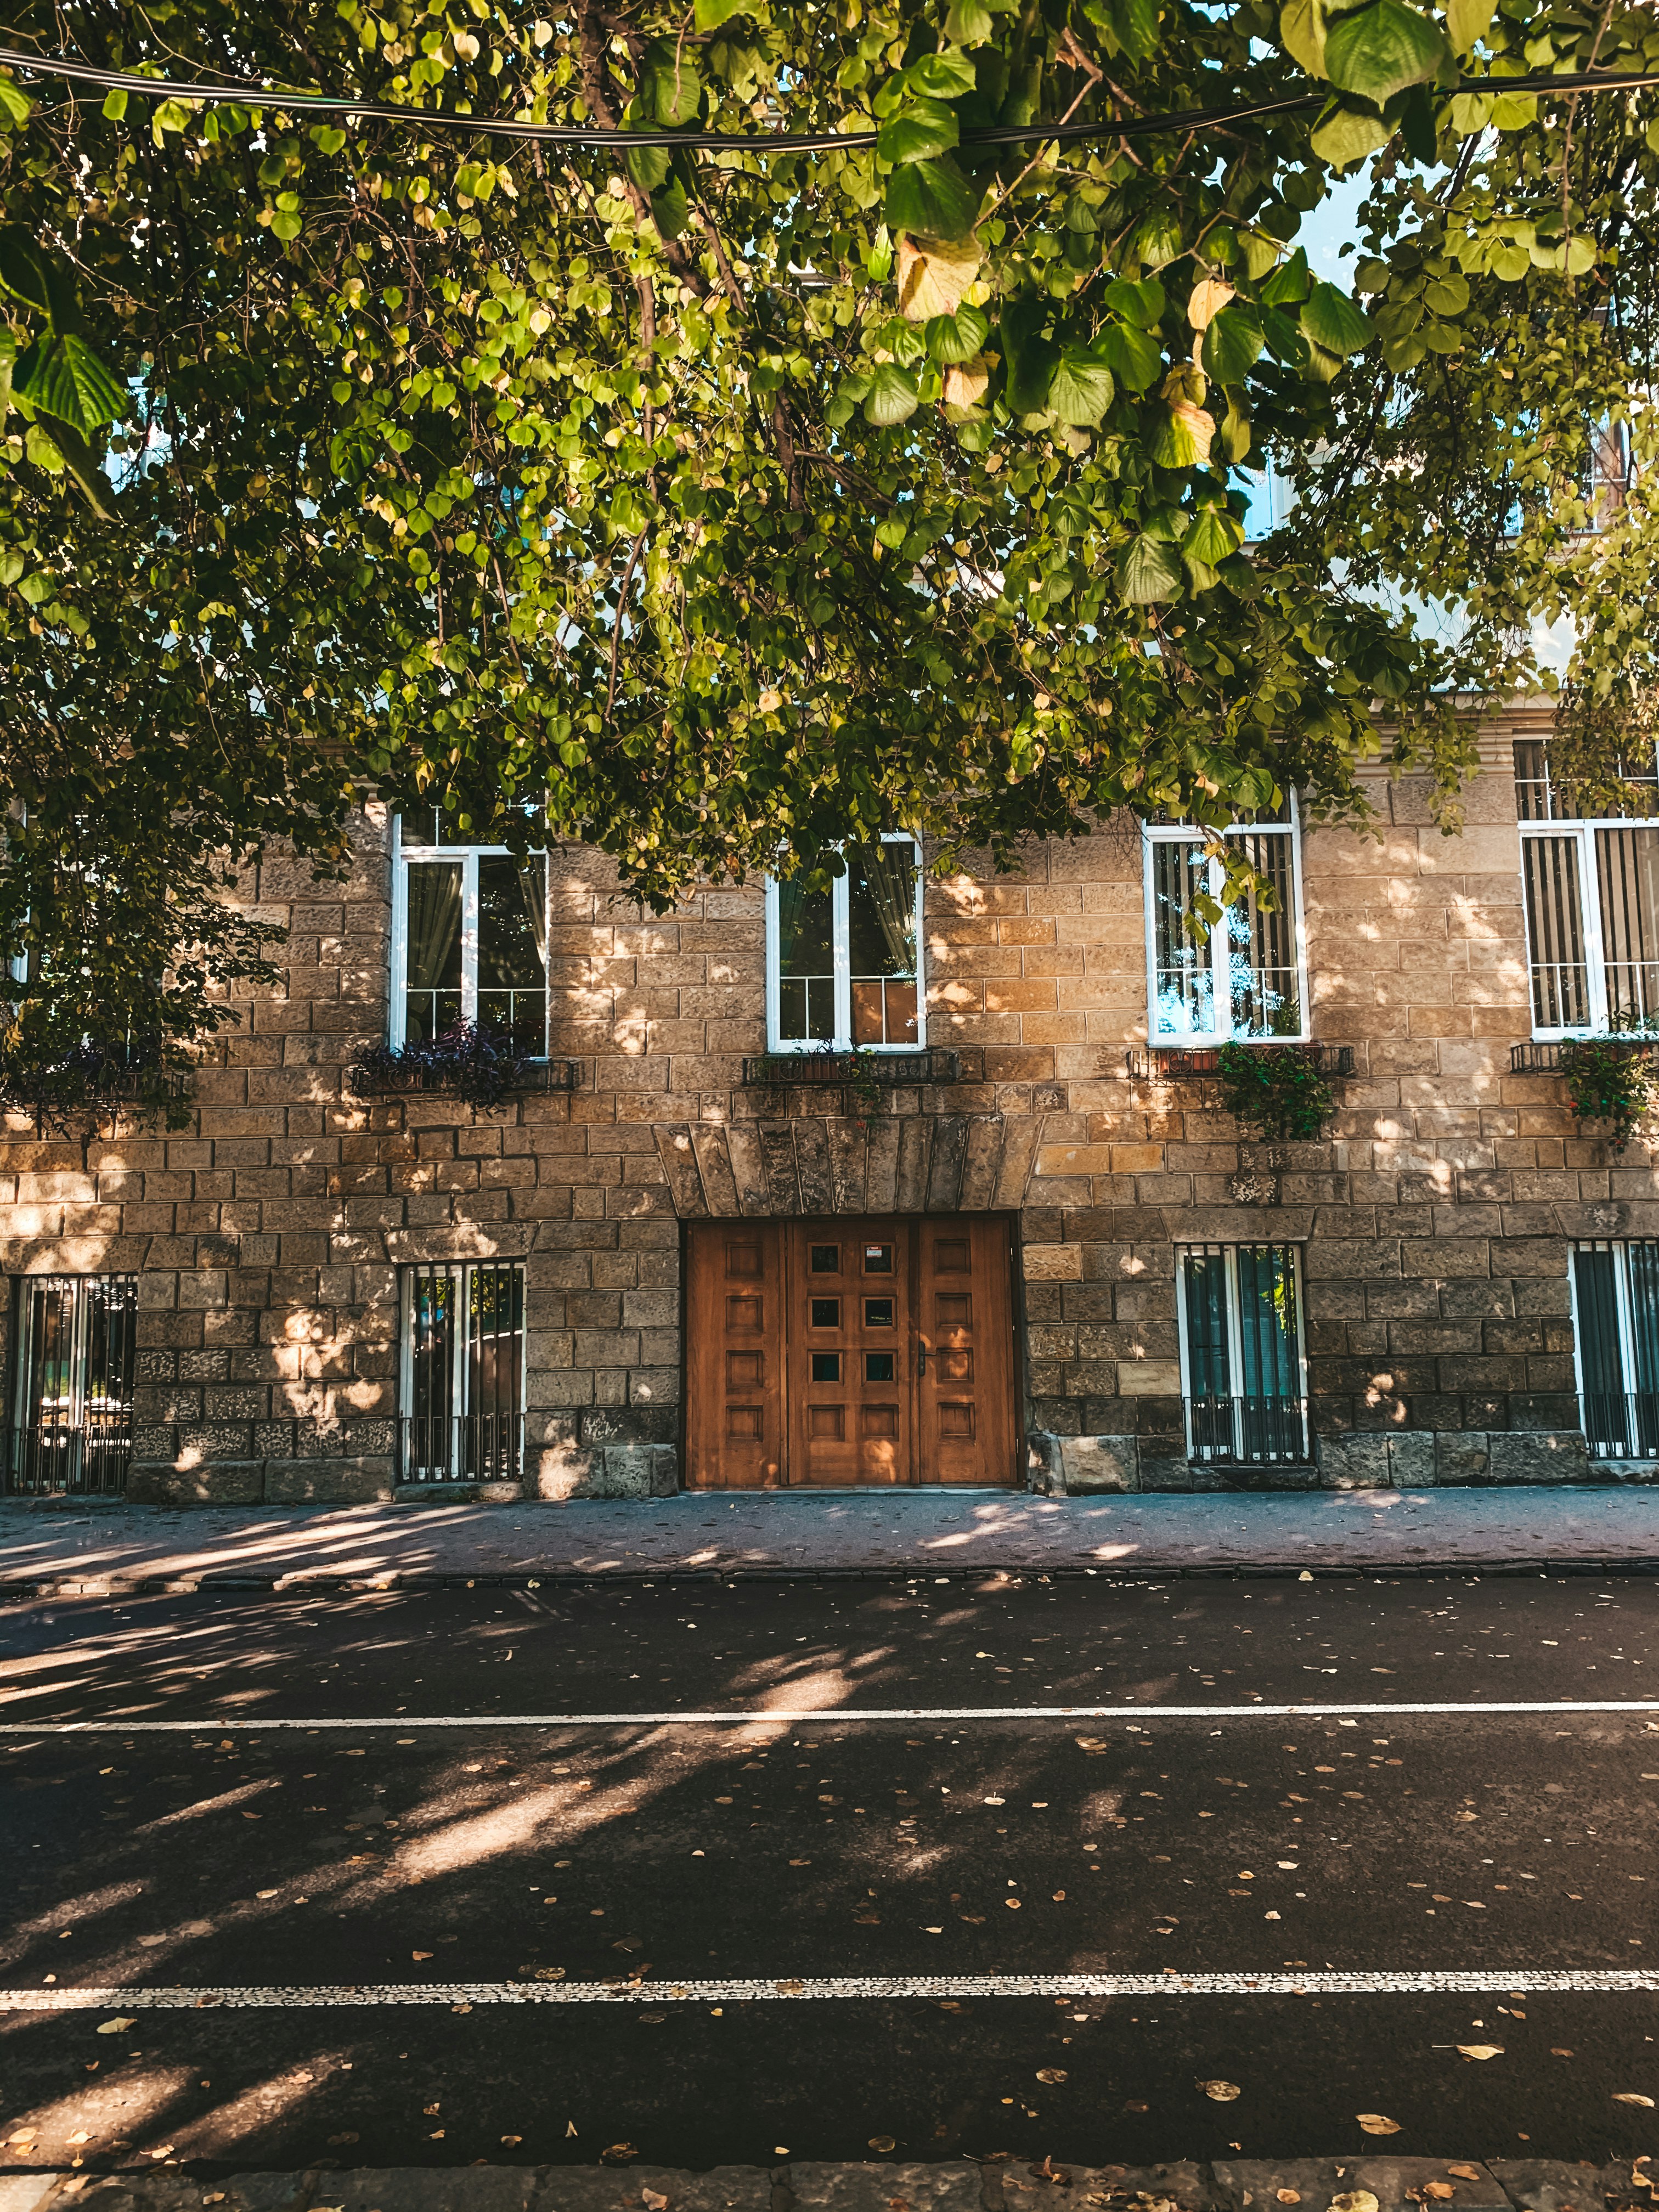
x=1359, y=2182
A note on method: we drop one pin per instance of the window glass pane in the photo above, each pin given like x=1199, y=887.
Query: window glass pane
x=807, y=993
x=881, y=916
x=495, y=1370
x=1183, y=994
x=1555, y=932
x=1532, y=779
x=1601, y=1366
x=1644, y=1264
x=512, y=933
x=432, y=998
x=1204, y=1280
x=1269, y=1334
x=1261, y=971
x=1627, y=877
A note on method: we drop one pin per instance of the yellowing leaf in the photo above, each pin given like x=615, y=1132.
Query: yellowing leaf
x=1632, y=2097
x=114, y=2027
x=1199, y=427
x=1481, y=2050
x=1377, y=2123
x=1208, y=299
x=1302, y=33
x=1356, y=2200
x=1051, y=2074
x=933, y=275
x=1222, y=2093
x=1467, y=21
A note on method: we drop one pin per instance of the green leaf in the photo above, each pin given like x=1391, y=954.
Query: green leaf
x=942, y=77
x=1134, y=358
x=285, y=224
x=1232, y=344
x=1302, y=33
x=932, y=198
x=1331, y=319
x=711, y=14
x=1171, y=445
x=1142, y=304
x=1447, y=296
x=1289, y=283
x=1379, y=49
x=63, y=376
x=648, y=166
x=1215, y=534
x=1130, y=26
x=1468, y=21
x=917, y=133
x=23, y=271
x=1158, y=241
x=115, y=106
x=670, y=83
x=16, y=105
x=968, y=22
x=1082, y=388
x=951, y=340
x=892, y=397
x=671, y=208
x=1030, y=358
x=1147, y=571
x=1344, y=135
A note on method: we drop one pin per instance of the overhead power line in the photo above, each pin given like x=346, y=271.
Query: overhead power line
x=765, y=142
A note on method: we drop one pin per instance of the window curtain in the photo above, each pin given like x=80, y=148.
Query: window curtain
x=533, y=885
x=434, y=927
x=890, y=872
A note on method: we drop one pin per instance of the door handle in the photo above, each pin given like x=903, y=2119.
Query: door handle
x=922, y=1359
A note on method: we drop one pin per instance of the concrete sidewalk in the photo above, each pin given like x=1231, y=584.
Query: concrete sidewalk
x=54, y=1547
x=1361, y=2182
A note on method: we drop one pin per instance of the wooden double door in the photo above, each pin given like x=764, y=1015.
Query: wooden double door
x=854, y=1350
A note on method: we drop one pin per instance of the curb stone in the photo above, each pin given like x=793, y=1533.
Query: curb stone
x=1393, y=2185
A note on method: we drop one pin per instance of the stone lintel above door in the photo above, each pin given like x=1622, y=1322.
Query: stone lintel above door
x=908, y=1164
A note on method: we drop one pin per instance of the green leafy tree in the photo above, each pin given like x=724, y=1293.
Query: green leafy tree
x=743, y=499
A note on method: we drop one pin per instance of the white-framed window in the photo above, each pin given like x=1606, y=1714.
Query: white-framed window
x=461, y=1372
x=843, y=967
x=468, y=938
x=71, y=1426
x=1243, y=1357
x=1616, y=1321
x=1246, y=976
x=1590, y=888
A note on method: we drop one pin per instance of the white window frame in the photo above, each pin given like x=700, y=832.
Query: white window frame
x=1221, y=997
x=841, y=955
x=466, y=857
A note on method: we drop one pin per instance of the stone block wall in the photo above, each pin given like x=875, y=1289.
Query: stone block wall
x=1434, y=1217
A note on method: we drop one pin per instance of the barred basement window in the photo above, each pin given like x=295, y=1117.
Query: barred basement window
x=843, y=967
x=1247, y=977
x=1242, y=1364
x=1615, y=1299
x=1591, y=890
x=461, y=1372
x=72, y=1410
x=469, y=938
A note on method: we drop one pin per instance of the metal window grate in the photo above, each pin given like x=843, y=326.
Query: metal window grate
x=71, y=1427
x=1615, y=1289
x=1243, y=1370
x=461, y=1418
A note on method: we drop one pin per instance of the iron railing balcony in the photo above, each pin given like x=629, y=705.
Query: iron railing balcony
x=1621, y=1424
x=1249, y=1431
x=1545, y=1058
x=460, y=1448
x=1191, y=1063
x=791, y=1070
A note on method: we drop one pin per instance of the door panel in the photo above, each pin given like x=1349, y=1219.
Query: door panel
x=967, y=1428
x=858, y=1352
x=848, y=1373
x=735, y=1399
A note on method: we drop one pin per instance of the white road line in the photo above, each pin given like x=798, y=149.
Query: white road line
x=791, y=1716
x=1575, y=1981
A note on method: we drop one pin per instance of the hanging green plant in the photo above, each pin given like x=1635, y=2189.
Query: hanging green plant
x=1610, y=1079
x=1279, y=1091
x=864, y=1092
x=70, y=1088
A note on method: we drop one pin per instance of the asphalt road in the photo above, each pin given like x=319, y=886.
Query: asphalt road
x=504, y=1852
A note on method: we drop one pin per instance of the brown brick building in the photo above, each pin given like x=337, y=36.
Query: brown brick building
x=1012, y=1244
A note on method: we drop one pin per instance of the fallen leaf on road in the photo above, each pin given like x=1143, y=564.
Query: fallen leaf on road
x=81, y=2135
x=801, y=1861
x=619, y=2154
x=1222, y=2092
x=994, y=1801
x=881, y=2143
x=1354, y=2200
x=1632, y=2097
x=420, y=1954
x=1440, y=2191
x=115, y=2027
x=1052, y=2074
x=512, y=2139
x=653, y=2200
x=1377, y=2123
x=1465, y=2172
x=338, y=2143
x=1012, y=1903
x=1288, y=2195
x=1133, y=2104
x=1481, y=2050
x=267, y=1893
